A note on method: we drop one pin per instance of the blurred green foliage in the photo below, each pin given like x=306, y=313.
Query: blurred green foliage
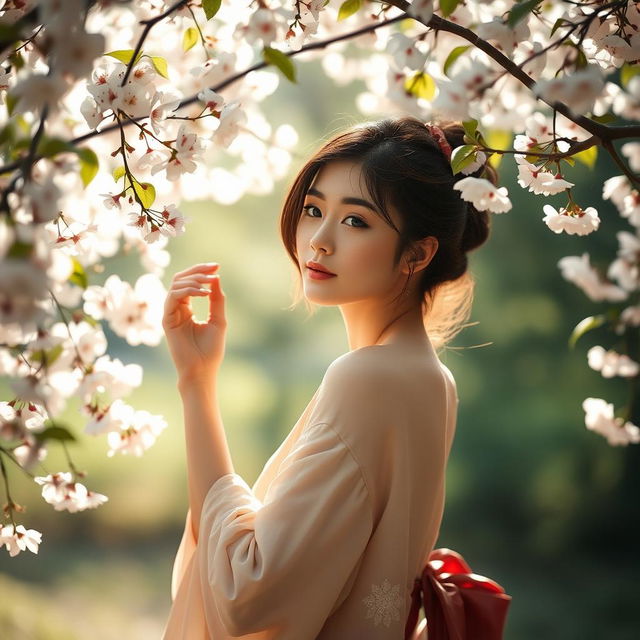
x=535, y=501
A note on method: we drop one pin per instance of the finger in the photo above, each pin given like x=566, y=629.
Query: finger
x=217, y=303
x=204, y=267
x=194, y=280
x=181, y=296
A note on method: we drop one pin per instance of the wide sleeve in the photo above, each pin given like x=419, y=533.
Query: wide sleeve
x=284, y=565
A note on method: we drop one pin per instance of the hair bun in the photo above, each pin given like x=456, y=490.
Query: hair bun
x=476, y=229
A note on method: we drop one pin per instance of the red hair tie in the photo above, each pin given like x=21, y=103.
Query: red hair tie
x=438, y=135
x=458, y=604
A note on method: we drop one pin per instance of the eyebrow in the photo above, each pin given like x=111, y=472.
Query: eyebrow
x=359, y=201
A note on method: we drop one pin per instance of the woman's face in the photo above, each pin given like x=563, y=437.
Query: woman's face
x=347, y=238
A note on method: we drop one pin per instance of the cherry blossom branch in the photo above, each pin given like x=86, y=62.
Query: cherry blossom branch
x=599, y=131
x=608, y=145
x=148, y=25
x=222, y=85
x=10, y=503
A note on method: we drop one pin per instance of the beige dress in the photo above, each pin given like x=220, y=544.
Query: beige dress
x=328, y=541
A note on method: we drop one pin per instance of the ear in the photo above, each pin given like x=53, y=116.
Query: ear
x=420, y=255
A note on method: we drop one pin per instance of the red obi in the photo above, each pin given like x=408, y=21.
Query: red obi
x=458, y=604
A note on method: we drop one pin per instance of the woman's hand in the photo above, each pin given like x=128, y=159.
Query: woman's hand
x=197, y=348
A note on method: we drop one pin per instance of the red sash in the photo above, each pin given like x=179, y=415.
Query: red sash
x=458, y=604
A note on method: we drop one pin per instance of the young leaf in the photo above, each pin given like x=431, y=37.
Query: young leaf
x=470, y=127
x=462, y=157
x=124, y=55
x=448, y=6
x=160, y=65
x=211, y=7
x=453, y=56
x=146, y=192
x=348, y=8
x=88, y=165
x=421, y=85
x=592, y=322
x=520, y=10
x=50, y=147
x=79, y=275
x=118, y=172
x=54, y=433
x=280, y=60
x=189, y=38
x=627, y=72
x=588, y=156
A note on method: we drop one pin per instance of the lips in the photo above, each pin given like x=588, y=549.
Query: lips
x=318, y=267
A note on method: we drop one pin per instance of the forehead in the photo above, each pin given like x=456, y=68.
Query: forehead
x=342, y=177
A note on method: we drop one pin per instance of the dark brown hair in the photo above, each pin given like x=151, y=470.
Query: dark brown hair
x=403, y=167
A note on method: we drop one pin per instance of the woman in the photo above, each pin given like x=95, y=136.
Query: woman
x=328, y=542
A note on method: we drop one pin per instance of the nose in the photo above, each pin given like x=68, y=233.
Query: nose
x=320, y=240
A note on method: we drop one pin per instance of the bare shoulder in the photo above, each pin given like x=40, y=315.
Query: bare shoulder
x=367, y=364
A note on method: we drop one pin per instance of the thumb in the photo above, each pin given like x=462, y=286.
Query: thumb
x=216, y=303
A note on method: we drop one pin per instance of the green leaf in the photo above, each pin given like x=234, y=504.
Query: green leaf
x=520, y=10
x=47, y=355
x=189, y=38
x=470, y=128
x=588, y=156
x=118, y=172
x=462, y=157
x=557, y=24
x=20, y=250
x=448, y=6
x=421, y=85
x=55, y=433
x=211, y=7
x=146, y=193
x=280, y=60
x=11, y=102
x=453, y=56
x=79, y=275
x=160, y=65
x=568, y=159
x=88, y=165
x=7, y=134
x=605, y=118
x=627, y=71
x=348, y=8
x=124, y=55
x=49, y=147
x=592, y=322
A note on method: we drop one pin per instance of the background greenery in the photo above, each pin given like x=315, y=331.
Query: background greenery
x=535, y=501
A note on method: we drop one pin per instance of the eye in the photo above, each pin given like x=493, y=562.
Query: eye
x=360, y=223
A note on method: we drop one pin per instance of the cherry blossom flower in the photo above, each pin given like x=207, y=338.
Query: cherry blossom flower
x=572, y=220
x=422, y=9
x=539, y=181
x=60, y=491
x=174, y=221
x=231, y=119
x=36, y=91
x=112, y=376
x=578, y=90
x=164, y=103
x=599, y=417
x=17, y=539
x=212, y=100
x=404, y=52
x=483, y=194
x=631, y=316
x=611, y=363
x=75, y=56
x=188, y=148
x=502, y=36
x=578, y=270
x=140, y=434
x=263, y=26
